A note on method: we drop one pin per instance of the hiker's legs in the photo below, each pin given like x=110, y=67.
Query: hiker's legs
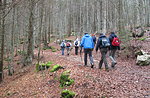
x=85, y=56
x=103, y=58
x=76, y=50
x=112, y=57
x=62, y=49
x=91, y=58
x=67, y=50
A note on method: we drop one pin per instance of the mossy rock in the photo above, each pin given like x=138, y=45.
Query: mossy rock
x=65, y=80
x=138, y=53
x=48, y=64
x=43, y=66
x=46, y=48
x=143, y=63
x=142, y=39
x=38, y=67
x=143, y=60
x=55, y=68
x=67, y=94
x=53, y=49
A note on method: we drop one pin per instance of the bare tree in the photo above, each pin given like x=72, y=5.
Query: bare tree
x=29, y=57
x=2, y=32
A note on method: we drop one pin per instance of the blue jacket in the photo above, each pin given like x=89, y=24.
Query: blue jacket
x=87, y=42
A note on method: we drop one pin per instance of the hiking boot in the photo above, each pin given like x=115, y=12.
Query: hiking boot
x=100, y=66
x=107, y=69
x=113, y=65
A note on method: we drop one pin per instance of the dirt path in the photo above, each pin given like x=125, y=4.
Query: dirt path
x=125, y=81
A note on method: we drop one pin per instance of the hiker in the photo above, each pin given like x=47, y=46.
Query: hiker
x=114, y=46
x=103, y=44
x=88, y=45
x=76, y=44
x=94, y=38
x=68, y=47
x=63, y=45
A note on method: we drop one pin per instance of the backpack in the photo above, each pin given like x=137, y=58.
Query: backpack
x=76, y=43
x=62, y=45
x=94, y=39
x=105, y=42
x=68, y=44
x=115, y=41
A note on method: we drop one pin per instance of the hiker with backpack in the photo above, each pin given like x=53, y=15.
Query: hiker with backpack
x=103, y=44
x=76, y=44
x=68, y=47
x=88, y=45
x=63, y=45
x=94, y=39
x=114, y=46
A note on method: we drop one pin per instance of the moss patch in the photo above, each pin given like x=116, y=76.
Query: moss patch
x=53, y=49
x=43, y=66
x=142, y=39
x=67, y=94
x=46, y=48
x=55, y=68
x=65, y=80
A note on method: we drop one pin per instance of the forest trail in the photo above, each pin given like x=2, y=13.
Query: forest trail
x=126, y=80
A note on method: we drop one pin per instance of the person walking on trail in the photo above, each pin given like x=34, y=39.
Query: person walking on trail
x=76, y=44
x=103, y=44
x=63, y=45
x=114, y=46
x=68, y=47
x=94, y=38
x=88, y=45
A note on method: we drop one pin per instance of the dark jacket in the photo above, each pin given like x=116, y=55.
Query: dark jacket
x=111, y=39
x=99, y=42
x=94, y=39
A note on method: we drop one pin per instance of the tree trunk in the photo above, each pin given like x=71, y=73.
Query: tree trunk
x=29, y=57
x=2, y=24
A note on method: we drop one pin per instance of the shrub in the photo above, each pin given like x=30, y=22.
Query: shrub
x=65, y=80
x=67, y=94
x=55, y=68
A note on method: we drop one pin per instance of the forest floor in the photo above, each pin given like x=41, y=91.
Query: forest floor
x=127, y=80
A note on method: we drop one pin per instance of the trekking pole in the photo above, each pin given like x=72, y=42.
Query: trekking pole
x=81, y=54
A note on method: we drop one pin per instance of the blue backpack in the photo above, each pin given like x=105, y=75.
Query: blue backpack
x=105, y=42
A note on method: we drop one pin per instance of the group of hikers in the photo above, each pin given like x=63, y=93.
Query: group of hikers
x=88, y=42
